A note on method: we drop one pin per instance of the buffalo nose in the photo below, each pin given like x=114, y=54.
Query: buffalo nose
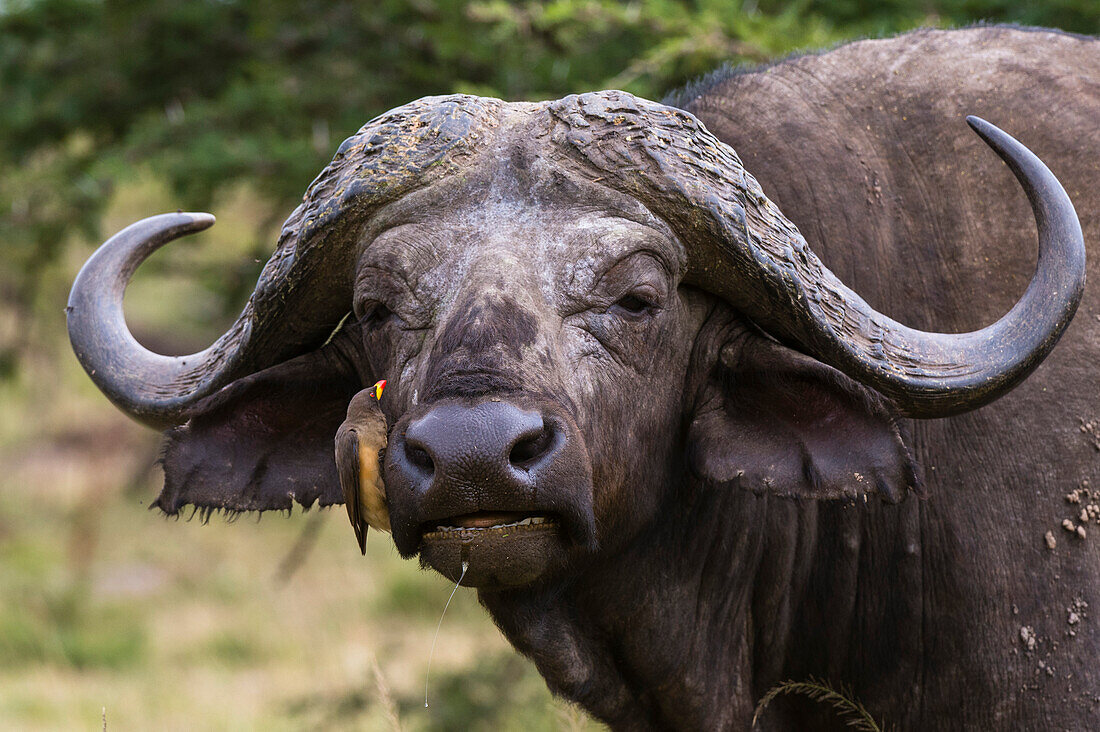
x=493, y=444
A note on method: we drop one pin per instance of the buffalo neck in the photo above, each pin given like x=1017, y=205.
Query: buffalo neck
x=726, y=595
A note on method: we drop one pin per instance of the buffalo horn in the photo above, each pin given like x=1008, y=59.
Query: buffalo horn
x=152, y=388
x=742, y=248
x=940, y=374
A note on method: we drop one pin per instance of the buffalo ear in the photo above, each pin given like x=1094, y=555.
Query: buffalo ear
x=266, y=440
x=774, y=420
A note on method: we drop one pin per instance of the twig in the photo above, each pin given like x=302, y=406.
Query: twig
x=298, y=553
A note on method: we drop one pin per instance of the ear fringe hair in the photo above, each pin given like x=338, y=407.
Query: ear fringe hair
x=232, y=515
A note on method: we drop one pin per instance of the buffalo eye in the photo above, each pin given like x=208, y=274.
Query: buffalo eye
x=374, y=314
x=633, y=304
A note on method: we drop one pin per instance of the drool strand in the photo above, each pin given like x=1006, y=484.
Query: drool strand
x=428, y=671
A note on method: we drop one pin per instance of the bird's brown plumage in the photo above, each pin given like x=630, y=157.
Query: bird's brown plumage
x=359, y=444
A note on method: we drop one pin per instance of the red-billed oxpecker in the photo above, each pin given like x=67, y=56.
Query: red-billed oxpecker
x=359, y=445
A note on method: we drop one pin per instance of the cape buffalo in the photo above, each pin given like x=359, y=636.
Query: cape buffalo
x=679, y=458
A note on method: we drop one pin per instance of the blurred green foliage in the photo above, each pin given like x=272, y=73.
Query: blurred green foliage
x=210, y=94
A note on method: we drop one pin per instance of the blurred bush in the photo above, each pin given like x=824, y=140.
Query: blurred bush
x=209, y=94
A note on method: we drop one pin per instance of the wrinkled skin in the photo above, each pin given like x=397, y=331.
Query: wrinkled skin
x=694, y=567
x=537, y=322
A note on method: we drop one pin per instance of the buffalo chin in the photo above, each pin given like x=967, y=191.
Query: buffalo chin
x=496, y=558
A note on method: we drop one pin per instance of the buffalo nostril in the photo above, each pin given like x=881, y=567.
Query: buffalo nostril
x=530, y=447
x=420, y=458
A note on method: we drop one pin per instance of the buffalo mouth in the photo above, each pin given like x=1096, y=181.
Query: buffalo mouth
x=499, y=523
x=494, y=549
x=495, y=491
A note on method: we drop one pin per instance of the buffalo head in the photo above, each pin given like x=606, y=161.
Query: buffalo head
x=576, y=304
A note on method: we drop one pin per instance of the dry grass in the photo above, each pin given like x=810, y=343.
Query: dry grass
x=848, y=709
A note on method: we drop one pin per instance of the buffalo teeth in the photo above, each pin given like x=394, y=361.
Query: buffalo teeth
x=529, y=521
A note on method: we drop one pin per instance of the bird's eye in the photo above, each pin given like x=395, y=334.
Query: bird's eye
x=633, y=304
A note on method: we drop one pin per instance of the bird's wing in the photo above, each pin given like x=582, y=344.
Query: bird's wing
x=347, y=465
